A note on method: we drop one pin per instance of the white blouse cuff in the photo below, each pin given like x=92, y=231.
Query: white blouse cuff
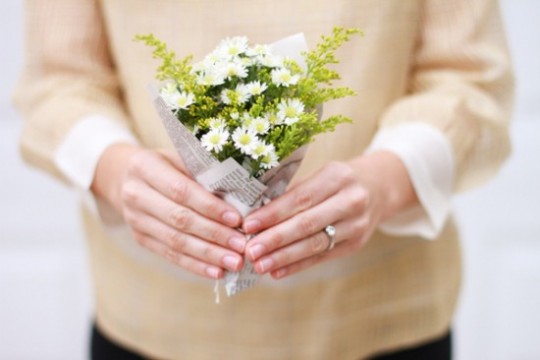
x=78, y=155
x=428, y=158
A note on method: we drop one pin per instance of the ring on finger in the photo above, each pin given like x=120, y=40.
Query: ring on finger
x=330, y=231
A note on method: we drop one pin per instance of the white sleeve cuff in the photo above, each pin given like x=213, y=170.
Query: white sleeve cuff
x=428, y=158
x=78, y=155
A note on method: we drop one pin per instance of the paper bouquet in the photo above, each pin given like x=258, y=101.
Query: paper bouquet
x=241, y=117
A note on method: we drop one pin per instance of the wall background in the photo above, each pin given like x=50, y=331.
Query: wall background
x=45, y=298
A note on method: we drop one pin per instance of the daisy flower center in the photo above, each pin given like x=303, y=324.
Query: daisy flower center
x=290, y=112
x=245, y=139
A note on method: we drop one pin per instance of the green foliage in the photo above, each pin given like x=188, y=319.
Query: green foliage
x=171, y=68
x=313, y=88
x=310, y=88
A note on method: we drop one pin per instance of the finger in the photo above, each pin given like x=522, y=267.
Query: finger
x=183, y=190
x=336, y=208
x=175, y=159
x=145, y=199
x=182, y=243
x=184, y=261
x=316, y=189
x=341, y=249
x=313, y=245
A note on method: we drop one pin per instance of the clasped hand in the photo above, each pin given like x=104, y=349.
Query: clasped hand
x=172, y=215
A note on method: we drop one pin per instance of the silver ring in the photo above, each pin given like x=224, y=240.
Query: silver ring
x=330, y=231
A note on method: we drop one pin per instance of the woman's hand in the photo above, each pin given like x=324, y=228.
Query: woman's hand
x=352, y=196
x=168, y=212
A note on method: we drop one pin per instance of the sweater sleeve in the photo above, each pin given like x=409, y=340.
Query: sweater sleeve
x=68, y=78
x=461, y=84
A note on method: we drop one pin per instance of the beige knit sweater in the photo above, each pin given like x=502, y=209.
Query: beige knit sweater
x=438, y=61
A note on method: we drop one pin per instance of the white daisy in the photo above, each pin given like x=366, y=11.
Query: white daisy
x=234, y=68
x=258, y=51
x=184, y=100
x=290, y=110
x=256, y=88
x=176, y=100
x=215, y=139
x=211, y=78
x=213, y=58
x=247, y=120
x=272, y=61
x=226, y=96
x=269, y=160
x=217, y=123
x=283, y=77
x=231, y=47
x=273, y=119
x=246, y=61
x=198, y=68
x=244, y=140
x=169, y=93
x=260, y=125
x=240, y=95
x=261, y=149
x=169, y=88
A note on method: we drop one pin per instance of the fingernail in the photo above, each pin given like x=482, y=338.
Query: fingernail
x=237, y=244
x=231, y=262
x=256, y=251
x=231, y=218
x=266, y=264
x=251, y=226
x=213, y=272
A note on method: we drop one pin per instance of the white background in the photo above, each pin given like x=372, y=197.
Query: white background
x=45, y=298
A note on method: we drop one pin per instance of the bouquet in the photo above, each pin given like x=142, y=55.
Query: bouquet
x=240, y=117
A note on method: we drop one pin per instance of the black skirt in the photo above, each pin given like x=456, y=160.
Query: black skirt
x=102, y=348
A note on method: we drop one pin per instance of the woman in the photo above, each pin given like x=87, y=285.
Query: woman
x=434, y=85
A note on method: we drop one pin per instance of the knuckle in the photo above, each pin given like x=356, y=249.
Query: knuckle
x=359, y=226
x=214, y=208
x=218, y=235
x=303, y=200
x=319, y=242
x=138, y=163
x=308, y=225
x=269, y=215
x=281, y=258
x=180, y=218
x=347, y=174
x=136, y=222
x=130, y=193
x=272, y=217
x=357, y=198
x=276, y=241
x=179, y=191
x=130, y=218
x=172, y=256
x=178, y=242
x=209, y=252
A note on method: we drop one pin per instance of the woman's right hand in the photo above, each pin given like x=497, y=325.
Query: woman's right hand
x=168, y=212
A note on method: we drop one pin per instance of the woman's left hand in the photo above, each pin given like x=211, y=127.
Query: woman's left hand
x=353, y=196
